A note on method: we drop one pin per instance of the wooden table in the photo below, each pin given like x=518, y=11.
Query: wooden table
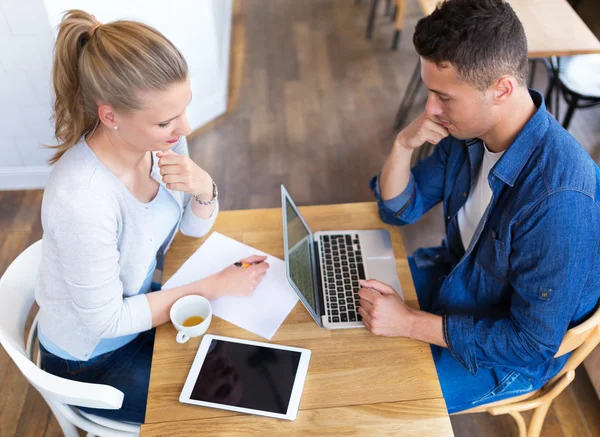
x=357, y=384
x=552, y=27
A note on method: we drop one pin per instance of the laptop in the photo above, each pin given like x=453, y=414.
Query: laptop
x=324, y=267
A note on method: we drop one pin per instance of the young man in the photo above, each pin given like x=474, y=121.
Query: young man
x=520, y=264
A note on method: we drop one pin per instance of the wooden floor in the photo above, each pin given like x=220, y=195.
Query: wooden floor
x=311, y=106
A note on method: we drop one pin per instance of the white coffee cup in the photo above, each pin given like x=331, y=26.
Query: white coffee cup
x=188, y=306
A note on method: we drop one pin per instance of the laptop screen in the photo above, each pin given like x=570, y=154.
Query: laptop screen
x=299, y=255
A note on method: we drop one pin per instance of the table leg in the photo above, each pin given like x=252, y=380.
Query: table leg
x=399, y=22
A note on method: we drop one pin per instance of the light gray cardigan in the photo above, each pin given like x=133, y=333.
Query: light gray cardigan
x=97, y=248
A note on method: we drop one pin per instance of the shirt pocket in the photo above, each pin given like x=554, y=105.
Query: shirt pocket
x=493, y=256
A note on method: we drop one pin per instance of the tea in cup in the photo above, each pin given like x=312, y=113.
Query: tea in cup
x=191, y=315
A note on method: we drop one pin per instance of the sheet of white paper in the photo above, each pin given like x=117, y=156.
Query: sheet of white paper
x=264, y=311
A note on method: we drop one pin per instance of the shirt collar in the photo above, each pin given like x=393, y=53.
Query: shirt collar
x=518, y=153
x=509, y=166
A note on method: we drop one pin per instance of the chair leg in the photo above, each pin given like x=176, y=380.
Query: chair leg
x=396, y=39
x=532, y=67
x=371, y=19
x=520, y=423
x=409, y=96
x=572, y=106
x=68, y=429
x=537, y=420
x=549, y=89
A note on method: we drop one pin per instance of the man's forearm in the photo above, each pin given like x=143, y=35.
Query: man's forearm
x=396, y=173
x=427, y=327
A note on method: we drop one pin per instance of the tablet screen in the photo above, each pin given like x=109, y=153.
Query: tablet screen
x=247, y=376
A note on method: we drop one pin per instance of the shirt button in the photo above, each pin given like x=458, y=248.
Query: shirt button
x=448, y=217
x=494, y=234
x=464, y=194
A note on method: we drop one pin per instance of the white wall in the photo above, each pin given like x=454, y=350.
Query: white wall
x=201, y=29
x=25, y=61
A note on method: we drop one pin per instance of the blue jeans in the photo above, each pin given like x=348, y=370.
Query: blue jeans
x=461, y=389
x=126, y=369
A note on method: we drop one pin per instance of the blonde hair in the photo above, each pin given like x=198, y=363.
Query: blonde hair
x=110, y=63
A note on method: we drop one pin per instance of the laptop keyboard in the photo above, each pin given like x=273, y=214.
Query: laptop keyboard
x=342, y=267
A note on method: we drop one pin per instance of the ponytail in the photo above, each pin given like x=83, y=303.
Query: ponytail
x=108, y=63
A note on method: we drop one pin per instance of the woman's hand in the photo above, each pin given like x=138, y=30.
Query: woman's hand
x=236, y=281
x=180, y=173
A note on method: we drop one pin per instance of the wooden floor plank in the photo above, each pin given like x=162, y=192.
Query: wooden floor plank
x=35, y=415
x=571, y=418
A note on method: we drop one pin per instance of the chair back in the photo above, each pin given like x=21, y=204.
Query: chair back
x=17, y=287
x=581, y=341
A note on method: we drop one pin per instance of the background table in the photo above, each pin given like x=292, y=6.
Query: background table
x=357, y=384
x=552, y=27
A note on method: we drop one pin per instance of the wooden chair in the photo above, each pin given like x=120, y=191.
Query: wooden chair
x=581, y=341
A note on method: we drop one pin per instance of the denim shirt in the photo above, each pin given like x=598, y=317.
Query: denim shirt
x=532, y=268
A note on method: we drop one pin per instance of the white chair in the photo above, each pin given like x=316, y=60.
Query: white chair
x=62, y=395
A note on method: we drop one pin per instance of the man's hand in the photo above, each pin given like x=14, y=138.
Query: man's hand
x=421, y=130
x=395, y=174
x=383, y=310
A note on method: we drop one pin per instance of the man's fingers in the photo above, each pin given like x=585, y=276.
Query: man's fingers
x=368, y=326
x=434, y=138
x=366, y=294
x=368, y=306
x=365, y=317
x=437, y=128
x=377, y=286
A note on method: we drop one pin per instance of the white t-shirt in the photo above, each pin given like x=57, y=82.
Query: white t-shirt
x=479, y=198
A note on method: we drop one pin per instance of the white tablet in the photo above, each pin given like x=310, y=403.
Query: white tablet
x=247, y=376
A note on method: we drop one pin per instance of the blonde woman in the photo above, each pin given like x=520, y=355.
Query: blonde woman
x=121, y=187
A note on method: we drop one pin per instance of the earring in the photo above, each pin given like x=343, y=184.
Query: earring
x=115, y=127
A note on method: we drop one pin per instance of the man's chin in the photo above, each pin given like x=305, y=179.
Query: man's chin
x=455, y=133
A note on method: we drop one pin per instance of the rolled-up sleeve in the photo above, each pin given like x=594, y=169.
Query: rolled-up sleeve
x=553, y=253
x=424, y=190
x=85, y=227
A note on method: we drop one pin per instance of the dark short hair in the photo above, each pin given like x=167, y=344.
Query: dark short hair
x=482, y=39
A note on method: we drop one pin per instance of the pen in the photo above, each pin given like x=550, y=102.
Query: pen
x=241, y=264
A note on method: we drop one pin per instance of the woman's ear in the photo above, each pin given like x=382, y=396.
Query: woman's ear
x=106, y=114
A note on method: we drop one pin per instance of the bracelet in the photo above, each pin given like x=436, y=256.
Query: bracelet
x=215, y=196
